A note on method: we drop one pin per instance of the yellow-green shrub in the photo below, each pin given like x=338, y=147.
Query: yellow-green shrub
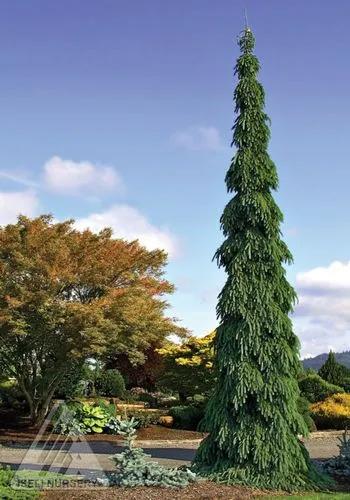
x=333, y=413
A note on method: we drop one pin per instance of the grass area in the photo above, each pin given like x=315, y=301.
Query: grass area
x=25, y=484
x=40, y=478
x=34, y=481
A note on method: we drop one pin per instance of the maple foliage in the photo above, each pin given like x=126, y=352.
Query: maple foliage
x=188, y=366
x=66, y=295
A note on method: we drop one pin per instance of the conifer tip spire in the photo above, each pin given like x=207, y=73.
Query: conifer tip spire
x=246, y=41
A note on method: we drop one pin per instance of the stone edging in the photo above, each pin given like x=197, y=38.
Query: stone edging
x=325, y=434
x=190, y=442
x=168, y=442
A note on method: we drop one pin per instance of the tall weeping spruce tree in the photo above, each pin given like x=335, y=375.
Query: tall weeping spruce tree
x=252, y=416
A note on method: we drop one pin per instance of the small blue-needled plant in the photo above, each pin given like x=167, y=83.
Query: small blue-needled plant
x=134, y=467
x=339, y=466
x=344, y=447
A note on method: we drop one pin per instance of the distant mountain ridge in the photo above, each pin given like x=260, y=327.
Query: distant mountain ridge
x=316, y=362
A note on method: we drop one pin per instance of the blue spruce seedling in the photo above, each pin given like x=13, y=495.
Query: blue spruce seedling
x=134, y=467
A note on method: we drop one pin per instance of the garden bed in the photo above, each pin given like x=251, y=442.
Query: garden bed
x=151, y=433
x=202, y=490
x=27, y=434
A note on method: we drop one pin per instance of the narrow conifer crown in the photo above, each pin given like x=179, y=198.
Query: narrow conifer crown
x=246, y=41
x=252, y=417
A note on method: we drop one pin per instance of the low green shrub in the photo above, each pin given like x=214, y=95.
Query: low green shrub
x=315, y=389
x=197, y=400
x=304, y=410
x=142, y=418
x=93, y=418
x=109, y=383
x=65, y=422
x=10, y=394
x=156, y=399
x=129, y=397
x=76, y=382
x=75, y=419
x=9, y=493
x=109, y=408
x=168, y=401
x=149, y=398
x=187, y=417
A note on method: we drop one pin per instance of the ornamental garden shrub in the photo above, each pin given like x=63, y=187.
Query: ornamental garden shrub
x=109, y=383
x=142, y=418
x=77, y=418
x=150, y=399
x=77, y=382
x=154, y=399
x=315, y=389
x=133, y=467
x=10, y=395
x=333, y=413
x=339, y=466
x=187, y=417
x=82, y=418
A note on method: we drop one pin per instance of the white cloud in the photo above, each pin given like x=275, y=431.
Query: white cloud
x=128, y=223
x=84, y=178
x=198, y=139
x=15, y=203
x=322, y=317
x=334, y=277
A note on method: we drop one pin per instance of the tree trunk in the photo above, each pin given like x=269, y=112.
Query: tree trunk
x=38, y=407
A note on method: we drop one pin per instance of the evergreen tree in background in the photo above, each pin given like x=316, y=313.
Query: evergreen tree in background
x=252, y=416
x=333, y=372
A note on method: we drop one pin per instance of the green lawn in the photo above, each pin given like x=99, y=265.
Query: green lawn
x=27, y=481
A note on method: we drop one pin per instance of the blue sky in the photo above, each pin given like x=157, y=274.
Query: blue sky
x=119, y=113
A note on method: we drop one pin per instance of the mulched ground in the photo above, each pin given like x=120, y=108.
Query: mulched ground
x=198, y=491
x=203, y=490
x=151, y=433
x=15, y=428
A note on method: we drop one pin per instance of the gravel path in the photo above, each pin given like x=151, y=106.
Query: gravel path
x=84, y=456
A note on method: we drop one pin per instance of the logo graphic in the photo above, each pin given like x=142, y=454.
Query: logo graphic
x=60, y=461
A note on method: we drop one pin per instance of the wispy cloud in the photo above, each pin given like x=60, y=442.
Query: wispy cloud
x=198, y=138
x=18, y=179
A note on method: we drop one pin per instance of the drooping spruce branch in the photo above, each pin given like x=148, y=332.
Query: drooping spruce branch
x=252, y=416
